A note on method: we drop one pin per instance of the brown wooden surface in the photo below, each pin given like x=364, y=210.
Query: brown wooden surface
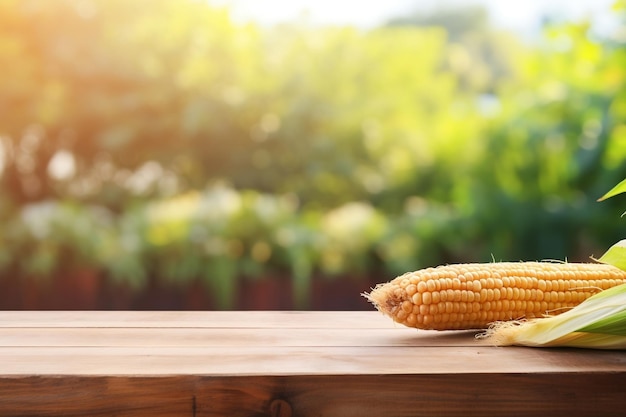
x=261, y=363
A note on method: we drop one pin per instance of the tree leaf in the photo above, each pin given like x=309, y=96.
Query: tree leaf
x=618, y=189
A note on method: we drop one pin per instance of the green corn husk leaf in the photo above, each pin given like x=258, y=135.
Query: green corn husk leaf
x=616, y=255
x=597, y=323
x=618, y=189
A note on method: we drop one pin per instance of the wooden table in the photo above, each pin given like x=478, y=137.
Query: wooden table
x=286, y=364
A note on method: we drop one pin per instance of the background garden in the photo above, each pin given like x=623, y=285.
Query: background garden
x=161, y=155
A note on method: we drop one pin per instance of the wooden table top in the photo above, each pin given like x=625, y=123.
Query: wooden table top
x=284, y=363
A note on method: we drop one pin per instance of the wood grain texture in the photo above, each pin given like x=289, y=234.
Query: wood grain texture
x=286, y=364
x=330, y=396
x=200, y=319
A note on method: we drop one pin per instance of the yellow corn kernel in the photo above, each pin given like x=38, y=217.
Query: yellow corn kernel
x=471, y=296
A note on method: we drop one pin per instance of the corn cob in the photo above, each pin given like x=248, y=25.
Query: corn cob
x=471, y=296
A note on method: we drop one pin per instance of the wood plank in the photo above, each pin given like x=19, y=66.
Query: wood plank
x=284, y=361
x=200, y=319
x=71, y=396
x=298, y=363
x=220, y=337
x=463, y=395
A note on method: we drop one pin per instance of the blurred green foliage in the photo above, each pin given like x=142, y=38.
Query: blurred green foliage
x=161, y=140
